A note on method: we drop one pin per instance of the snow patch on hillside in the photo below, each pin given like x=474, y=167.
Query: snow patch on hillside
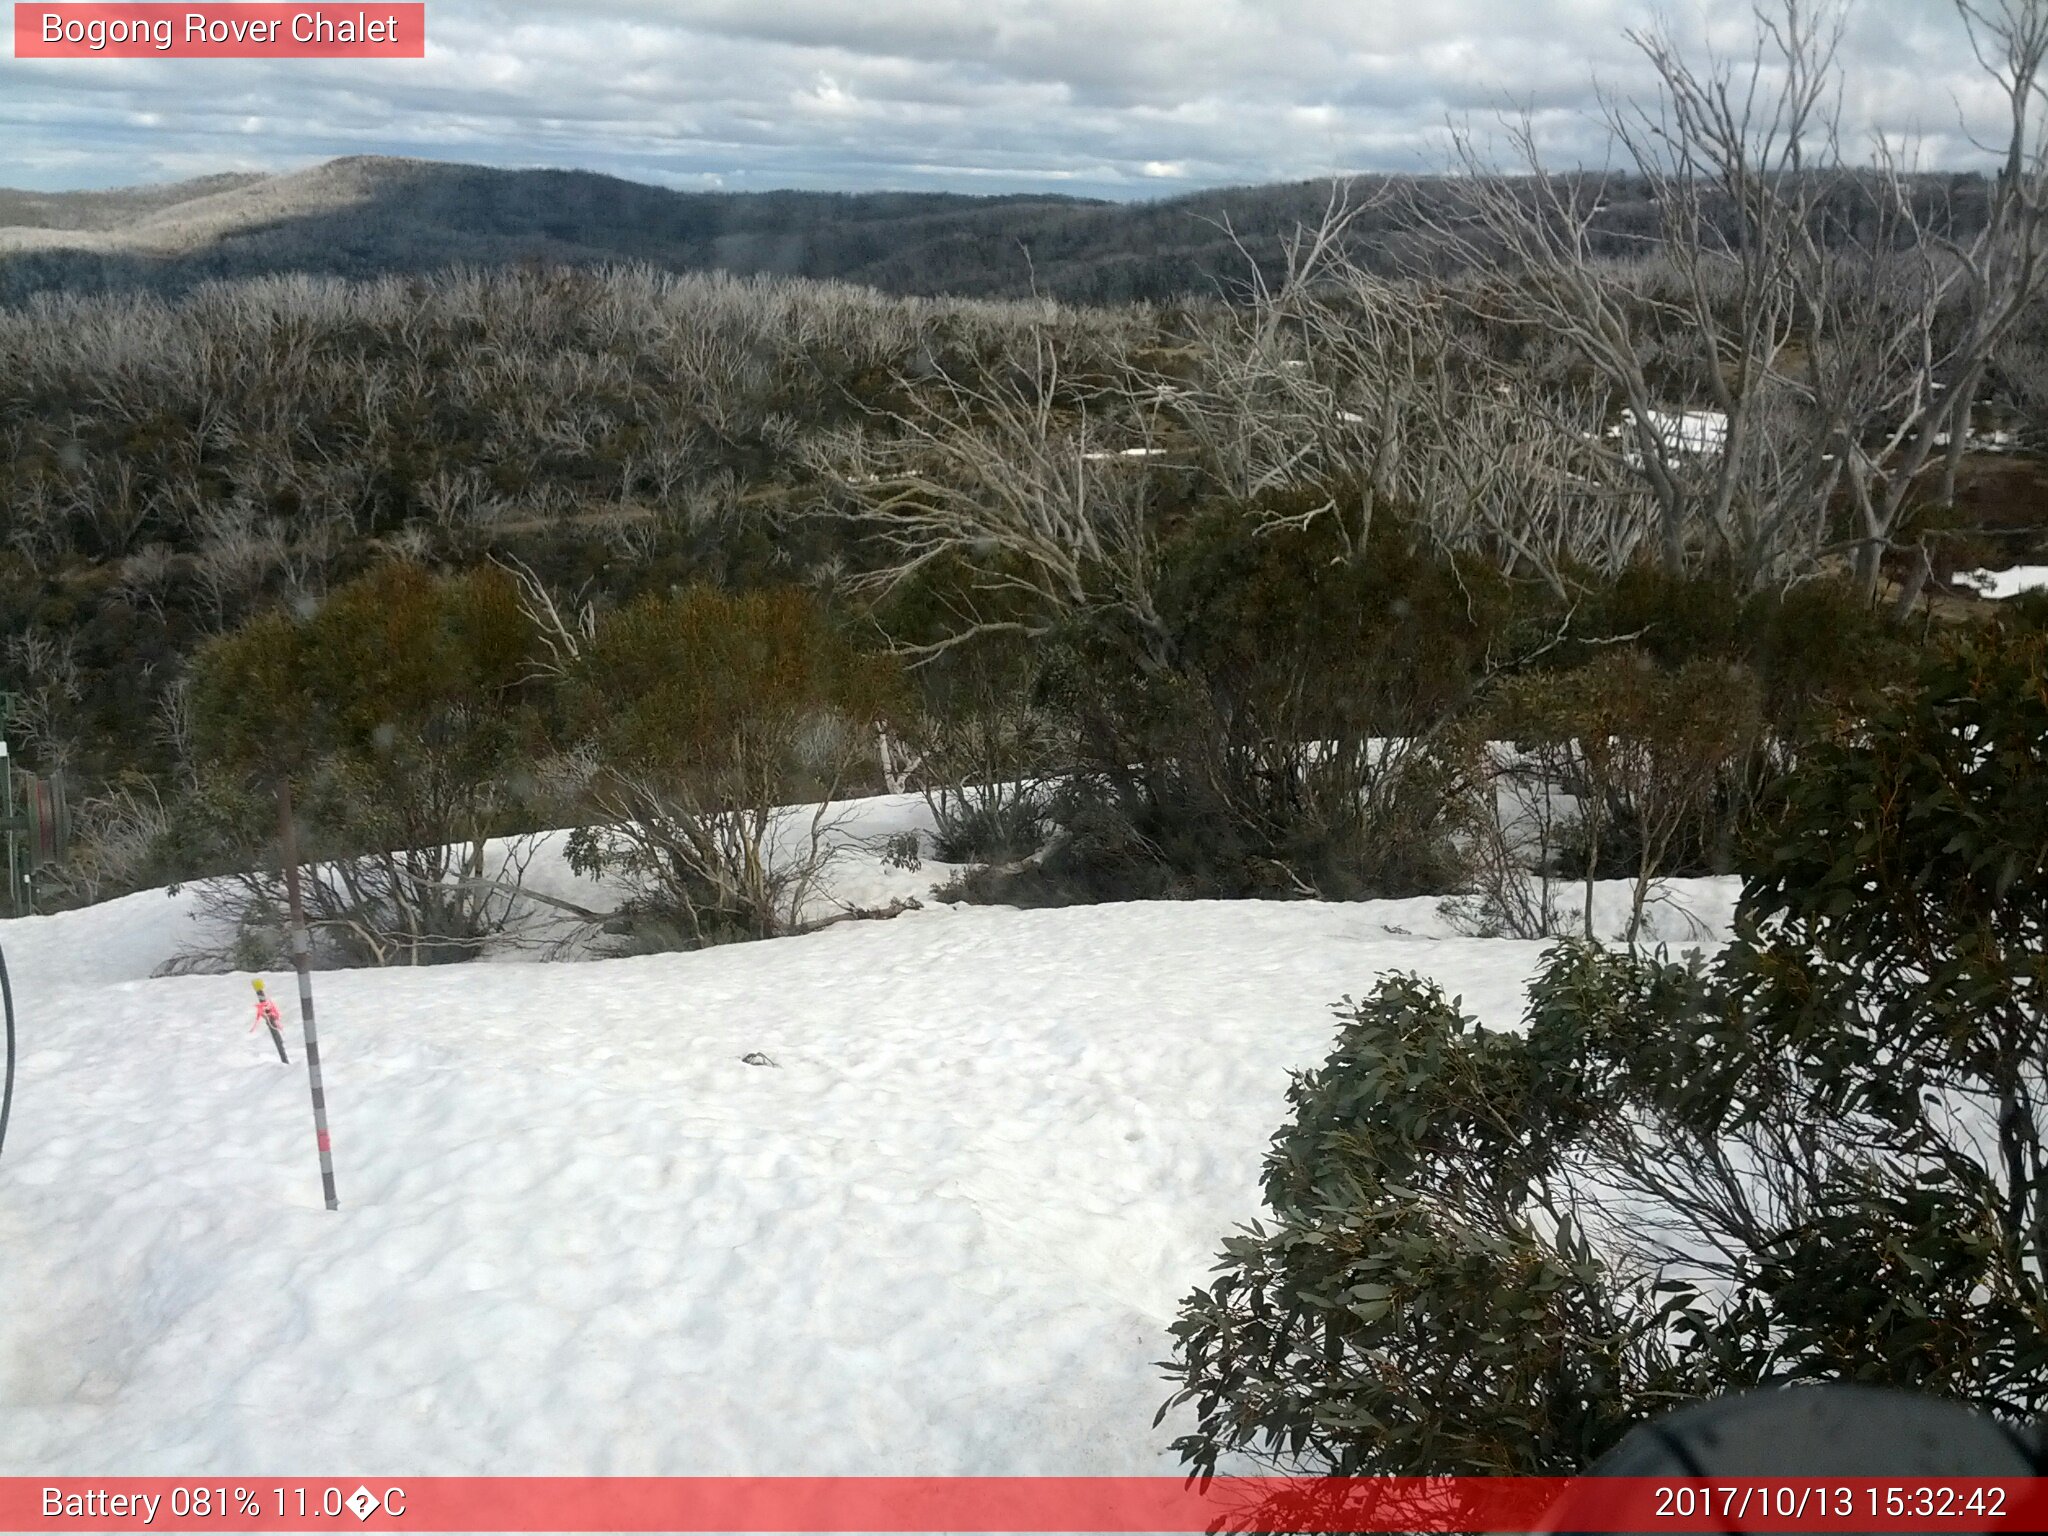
x=2007, y=583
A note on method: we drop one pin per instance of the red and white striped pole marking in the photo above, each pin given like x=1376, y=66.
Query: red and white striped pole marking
x=267, y=1018
x=302, y=963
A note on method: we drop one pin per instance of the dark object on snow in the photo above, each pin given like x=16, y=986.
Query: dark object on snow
x=757, y=1059
x=1832, y=1431
x=1820, y=1432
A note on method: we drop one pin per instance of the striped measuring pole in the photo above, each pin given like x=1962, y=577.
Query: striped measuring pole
x=303, y=964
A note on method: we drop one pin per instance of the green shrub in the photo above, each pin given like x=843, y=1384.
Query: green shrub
x=1651, y=755
x=995, y=824
x=403, y=715
x=1285, y=745
x=2026, y=610
x=986, y=751
x=704, y=713
x=1819, y=1157
x=1817, y=650
x=1418, y=1303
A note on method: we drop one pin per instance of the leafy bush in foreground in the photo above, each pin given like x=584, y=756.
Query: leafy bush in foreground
x=1818, y=1158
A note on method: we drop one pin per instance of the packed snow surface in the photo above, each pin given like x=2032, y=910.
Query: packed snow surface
x=2008, y=583
x=940, y=1230
x=1694, y=432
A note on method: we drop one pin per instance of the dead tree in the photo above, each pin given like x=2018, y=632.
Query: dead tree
x=1837, y=352
x=1019, y=480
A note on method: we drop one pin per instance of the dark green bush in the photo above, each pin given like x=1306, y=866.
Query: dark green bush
x=1817, y=649
x=1420, y=1303
x=1283, y=746
x=986, y=750
x=703, y=713
x=996, y=827
x=1654, y=756
x=2027, y=610
x=1820, y=1157
x=403, y=713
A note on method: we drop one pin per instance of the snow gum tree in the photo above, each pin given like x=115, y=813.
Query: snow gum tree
x=1838, y=328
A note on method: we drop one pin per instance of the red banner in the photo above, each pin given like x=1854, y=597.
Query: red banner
x=1024, y=1504
x=368, y=29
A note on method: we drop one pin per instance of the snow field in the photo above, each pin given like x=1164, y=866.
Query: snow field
x=1998, y=585
x=943, y=1233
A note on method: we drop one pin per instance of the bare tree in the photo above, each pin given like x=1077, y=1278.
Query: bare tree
x=117, y=844
x=563, y=628
x=1965, y=298
x=1022, y=481
x=50, y=686
x=145, y=575
x=1717, y=149
x=235, y=560
x=716, y=861
x=1833, y=329
x=1333, y=395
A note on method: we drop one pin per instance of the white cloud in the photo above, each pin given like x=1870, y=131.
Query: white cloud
x=1106, y=96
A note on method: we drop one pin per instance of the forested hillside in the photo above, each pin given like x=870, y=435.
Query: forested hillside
x=1539, y=457
x=367, y=217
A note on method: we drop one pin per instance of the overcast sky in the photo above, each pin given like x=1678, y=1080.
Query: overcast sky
x=1109, y=98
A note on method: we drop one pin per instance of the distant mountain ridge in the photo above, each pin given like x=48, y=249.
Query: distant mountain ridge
x=25, y=214
x=369, y=215
x=366, y=216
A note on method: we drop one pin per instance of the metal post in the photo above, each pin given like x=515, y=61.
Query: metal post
x=8, y=702
x=302, y=963
x=7, y=1089
x=13, y=839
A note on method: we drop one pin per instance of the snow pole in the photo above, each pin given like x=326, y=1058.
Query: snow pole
x=7, y=1001
x=302, y=963
x=266, y=1014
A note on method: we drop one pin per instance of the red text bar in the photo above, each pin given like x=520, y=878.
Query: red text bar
x=1024, y=1504
x=372, y=30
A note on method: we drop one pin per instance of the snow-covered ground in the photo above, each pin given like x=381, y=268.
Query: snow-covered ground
x=1692, y=432
x=2007, y=583
x=943, y=1231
